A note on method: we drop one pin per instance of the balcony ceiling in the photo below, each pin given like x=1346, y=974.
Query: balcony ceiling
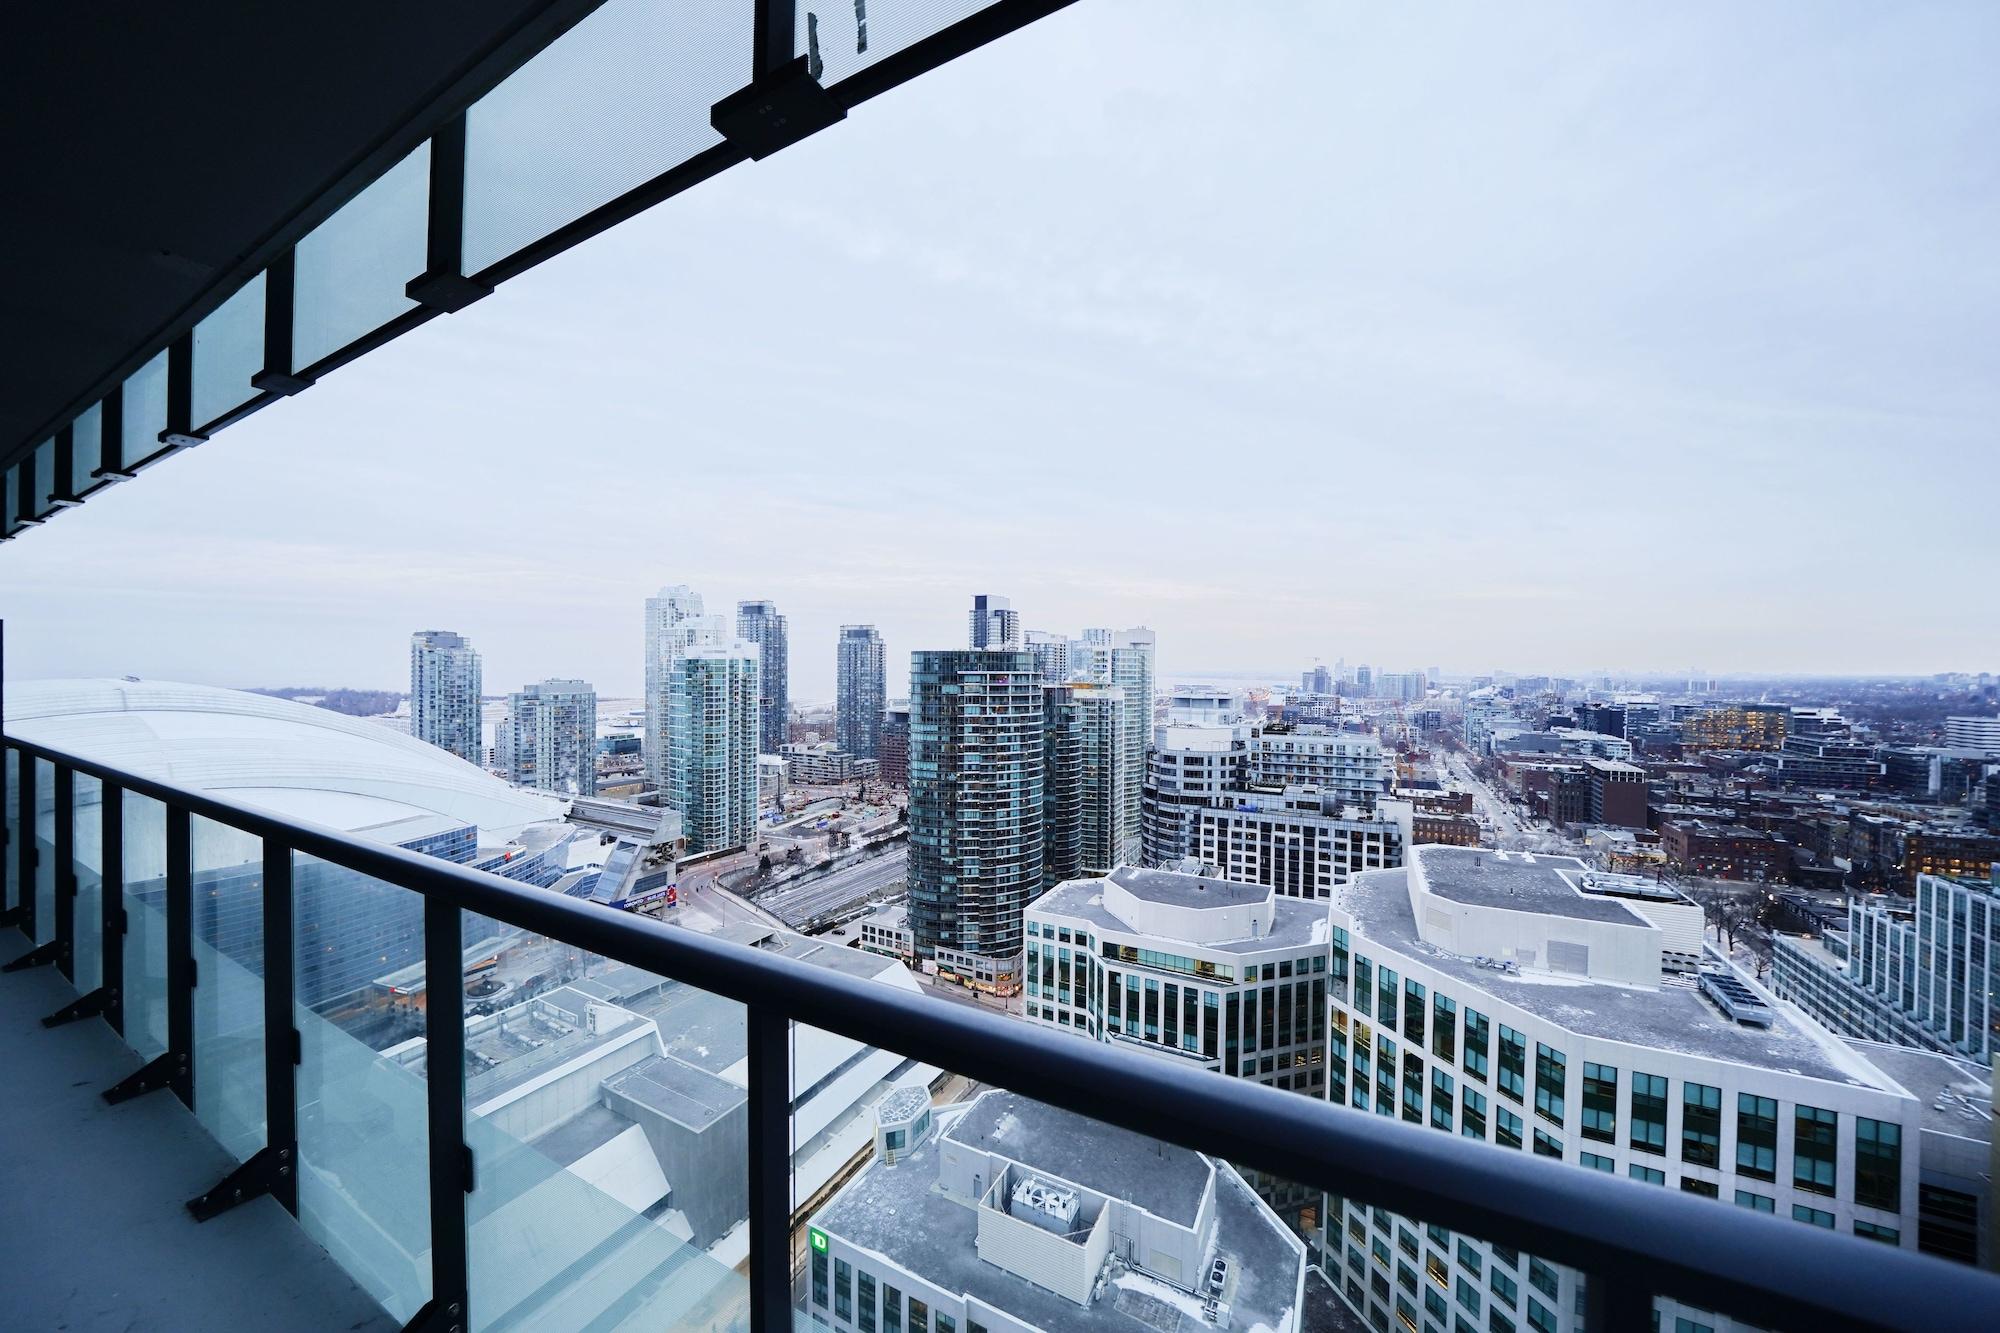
x=152, y=151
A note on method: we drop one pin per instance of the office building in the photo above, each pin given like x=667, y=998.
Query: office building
x=549, y=739
x=713, y=692
x=976, y=846
x=1952, y=850
x=1528, y=1002
x=675, y=622
x=1735, y=726
x=1222, y=975
x=444, y=693
x=1316, y=680
x=1062, y=784
x=1924, y=974
x=993, y=623
x=1617, y=793
x=1299, y=840
x=1002, y=1213
x=860, y=691
x=1980, y=735
x=894, y=763
x=760, y=623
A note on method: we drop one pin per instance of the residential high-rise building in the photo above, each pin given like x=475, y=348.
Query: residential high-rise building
x=1051, y=655
x=1978, y=734
x=1925, y=975
x=760, y=623
x=1345, y=765
x=1191, y=769
x=994, y=623
x=1525, y=1001
x=549, y=739
x=1299, y=840
x=1132, y=669
x=1062, y=784
x=894, y=759
x=444, y=693
x=712, y=768
x=976, y=845
x=861, y=691
x=675, y=621
x=1108, y=786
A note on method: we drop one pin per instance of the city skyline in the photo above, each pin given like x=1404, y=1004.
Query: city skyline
x=1566, y=349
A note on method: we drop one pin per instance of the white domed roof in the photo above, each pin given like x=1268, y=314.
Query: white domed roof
x=289, y=759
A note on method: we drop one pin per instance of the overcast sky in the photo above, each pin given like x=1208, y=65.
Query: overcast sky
x=1551, y=336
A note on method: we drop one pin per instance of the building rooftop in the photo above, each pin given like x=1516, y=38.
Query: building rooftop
x=678, y=1090
x=1673, y=1017
x=1182, y=890
x=899, y=1213
x=1166, y=1181
x=1957, y=1095
x=1518, y=881
x=1295, y=922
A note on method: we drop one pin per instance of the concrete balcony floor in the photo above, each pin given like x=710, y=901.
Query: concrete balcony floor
x=94, y=1231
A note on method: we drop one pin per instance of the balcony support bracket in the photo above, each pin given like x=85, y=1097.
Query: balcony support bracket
x=437, y=1317
x=84, y=1006
x=39, y=956
x=159, y=1073
x=775, y=110
x=267, y=1170
x=13, y=916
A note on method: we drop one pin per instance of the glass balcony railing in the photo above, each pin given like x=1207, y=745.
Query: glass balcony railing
x=496, y=1107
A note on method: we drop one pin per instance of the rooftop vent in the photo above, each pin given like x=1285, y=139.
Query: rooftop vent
x=1050, y=1207
x=1738, y=1001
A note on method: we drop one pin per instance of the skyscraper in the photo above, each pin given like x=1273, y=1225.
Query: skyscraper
x=1132, y=653
x=1051, y=655
x=444, y=693
x=1062, y=784
x=712, y=761
x=674, y=622
x=760, y=623
x=860, y=691
x=994, y=623
x=976, y=840
x=549, y=739
x=1109, y=787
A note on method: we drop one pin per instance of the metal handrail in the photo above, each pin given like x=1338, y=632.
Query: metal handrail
x=1632, y=1241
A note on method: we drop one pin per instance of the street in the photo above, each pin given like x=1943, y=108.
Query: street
x=814, y=896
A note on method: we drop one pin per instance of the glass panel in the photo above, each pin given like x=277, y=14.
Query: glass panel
x=145, y=869
x=612, y=103
x=87, y=825
x=10, y=873
x=13, y=501
x=850, y=37
x=145, y=410
x=86, y=448
x=228, y=868
x=42, y=499
x=350, y=272
x=364, y=1182
x=605, y=1112
x=45, y=851
x=228, y=350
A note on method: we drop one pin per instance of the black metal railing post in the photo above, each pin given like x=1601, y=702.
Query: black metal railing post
x=65, y=871
x=281, y=1034
x=181, y=978
x=770, y=1143
x=444, y=1082
x=776, y=33
x=444, y=284
x=1614, y=1301
x=26, y=854
x=112, y=915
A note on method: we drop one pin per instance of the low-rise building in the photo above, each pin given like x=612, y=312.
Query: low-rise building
x=1299, y=840
x=886, y=931
x=1726, y=851
x=824, y=765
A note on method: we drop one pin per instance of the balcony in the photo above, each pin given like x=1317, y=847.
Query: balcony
x=194, y=1123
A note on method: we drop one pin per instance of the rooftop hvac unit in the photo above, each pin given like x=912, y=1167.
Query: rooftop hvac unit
x=1050, y=1207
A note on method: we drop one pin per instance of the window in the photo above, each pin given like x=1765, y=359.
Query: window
x=920, y=1316
x=1756, y=1203
x=1513, y=1063
x=1476, y=1044
x=843, y=1290
x=1650, y=1175
x=1878, y=1163
x=1600, y=1103
x=1442, y=1107
x=1385, y=998
x=1444, y=1030
x=1413, y=1013
x=1546, y=1146
x=1814, y=1150
x=1756, y=1137
x=1469, y=1258
x=946, y=1324
x=1438, y=1268
x=1472, y=1116
x=864, y=1296
x=1706, y=1188
x=1503, y=1286
x=819, y=1277
x=1551, y=1083
x=1468, y=1296
x=1870, y=1231
x=892, y=1309
x=1819, y=1218
x=1701, y=1124
x=1649, y=1113
x=1509, y=1135
x=1544, y=1278
x=1413, y=1088
x=1364, y=986
x=1539, y=1318
x=1596, y=1162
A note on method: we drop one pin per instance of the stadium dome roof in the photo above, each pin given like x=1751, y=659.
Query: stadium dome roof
x=290, y=759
